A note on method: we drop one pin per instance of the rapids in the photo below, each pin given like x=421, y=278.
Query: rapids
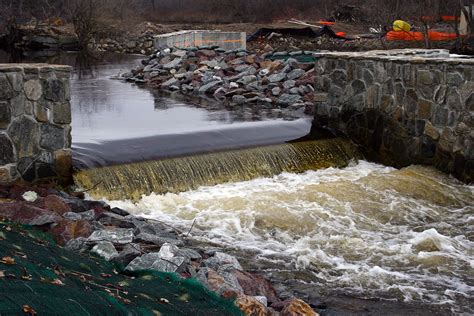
x=367, y=230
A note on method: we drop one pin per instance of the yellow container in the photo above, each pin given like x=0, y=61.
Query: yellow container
x=400, y=25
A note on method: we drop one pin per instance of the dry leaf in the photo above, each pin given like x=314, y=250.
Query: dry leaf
x=8, y=228
x=164, y=301
x=105, y=275
x=8, y=260
x=2, y=274
x=28, y=310
x=57, y=282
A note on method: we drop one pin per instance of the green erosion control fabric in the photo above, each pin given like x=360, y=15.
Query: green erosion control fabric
x=37, y=276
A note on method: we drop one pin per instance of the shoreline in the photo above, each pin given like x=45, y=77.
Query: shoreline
x=84, y=226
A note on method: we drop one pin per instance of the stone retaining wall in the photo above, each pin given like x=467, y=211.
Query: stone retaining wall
x=35, y=117
x=403, y=106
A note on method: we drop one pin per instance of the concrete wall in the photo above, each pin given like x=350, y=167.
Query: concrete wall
x=185, y=39
x=404, y=106
x=35, y=117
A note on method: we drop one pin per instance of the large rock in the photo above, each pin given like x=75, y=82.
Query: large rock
x=251, y=306
x=33, y=89
x=286, y=99
x=119, y=236
x=246, y=80
x=165, y=260
x=295, y=307
x=172, y=64
x=62, y=113
x=54, y=204
x=21, y=129
x=277, y=77
x=54, y=90
x=52, y=137
x=66, y=230
x=27, y=214
x=7, y=152
x=128, y=253
x=106, y=250
x=216, y=282
x=6, y=90
x=5, y=115
x=256, y=285
x=220, y=259
x=295, y=74
x=207, y=87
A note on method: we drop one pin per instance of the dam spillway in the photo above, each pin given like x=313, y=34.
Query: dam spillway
x=190, y=172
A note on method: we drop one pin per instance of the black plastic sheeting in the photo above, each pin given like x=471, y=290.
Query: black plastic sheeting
x=296, y=32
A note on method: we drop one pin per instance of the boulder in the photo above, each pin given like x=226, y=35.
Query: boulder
x=251, y=306
x=172, y=64
x=106, y=250
x=6, y=90
x=277, y=77
x=294, y=307
x=255, y=285
x=289, y=84
x=207, y=87
x=119, y=236
x=295, y=74
x=286, y=100
x=166, y=260
x=220, y=259
x=217, y=283
x=128, y=253
x=246, y=80
x=26, y=214
x=66, y=230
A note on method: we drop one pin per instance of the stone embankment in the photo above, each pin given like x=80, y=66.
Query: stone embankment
x=35, y=117
x=235, y=77
x=141, y=244
x=403, y=106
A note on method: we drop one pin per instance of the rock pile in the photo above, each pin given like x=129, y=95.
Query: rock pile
x=141, y=244
x=236, y=77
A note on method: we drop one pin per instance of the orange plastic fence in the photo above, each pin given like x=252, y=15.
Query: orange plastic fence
x=341, y=34
x=326, y=23
x=449, y=18
x=419, y=36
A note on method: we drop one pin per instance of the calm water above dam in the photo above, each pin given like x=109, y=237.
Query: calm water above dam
x=351, y=240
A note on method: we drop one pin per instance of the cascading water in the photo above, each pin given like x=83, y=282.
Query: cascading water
x=190, y=172
x=364, y=231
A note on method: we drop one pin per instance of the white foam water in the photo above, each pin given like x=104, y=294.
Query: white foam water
x=366, y=230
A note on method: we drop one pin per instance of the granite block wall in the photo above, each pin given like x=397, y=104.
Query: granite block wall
x=35, y=122
x=403, y=106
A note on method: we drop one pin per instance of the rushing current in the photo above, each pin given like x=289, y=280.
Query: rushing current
x=367, y=230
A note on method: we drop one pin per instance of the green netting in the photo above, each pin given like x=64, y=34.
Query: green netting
x=54, y=281
x=300, y=58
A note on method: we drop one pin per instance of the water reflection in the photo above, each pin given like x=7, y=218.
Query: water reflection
x=110, y=112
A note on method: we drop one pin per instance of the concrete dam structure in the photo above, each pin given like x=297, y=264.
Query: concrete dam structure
x=403, y=106
x=197, y=38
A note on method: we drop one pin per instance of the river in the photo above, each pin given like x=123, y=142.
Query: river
x=365, y=239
